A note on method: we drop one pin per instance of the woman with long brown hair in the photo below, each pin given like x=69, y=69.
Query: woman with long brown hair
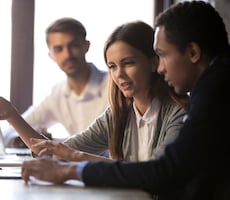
x=144, y=114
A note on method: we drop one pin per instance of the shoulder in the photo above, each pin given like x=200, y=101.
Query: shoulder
x=212, y=85
x=96, y=72
x=99, y=78
x=106, y=115
x=172, y=112
x=60, y=88
x=168, y=108
x=60, y=84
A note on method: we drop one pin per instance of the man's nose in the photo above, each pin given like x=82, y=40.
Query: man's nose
x=160, y=68
x=67, y=52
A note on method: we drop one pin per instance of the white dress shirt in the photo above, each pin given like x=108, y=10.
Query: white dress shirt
x=146, y=125
x=74, y=112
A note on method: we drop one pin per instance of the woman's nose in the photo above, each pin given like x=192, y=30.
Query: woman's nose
x=120, y=72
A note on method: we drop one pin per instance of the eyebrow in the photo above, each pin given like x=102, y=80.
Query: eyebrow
x=124, y=59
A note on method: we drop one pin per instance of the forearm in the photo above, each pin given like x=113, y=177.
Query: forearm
x=24, y=130
x=82, y=156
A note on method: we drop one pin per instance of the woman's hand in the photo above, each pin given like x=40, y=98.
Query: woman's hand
x=63, y=152
x=58, y=149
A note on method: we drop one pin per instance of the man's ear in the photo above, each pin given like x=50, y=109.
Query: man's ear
x=194, y=52
x=87, y=45
x=51, y=56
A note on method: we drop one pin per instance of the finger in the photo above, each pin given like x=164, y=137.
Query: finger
x=31, y=168
x=37, y=140
x=39, y=143
x=25, y=177
x=43, y=147
x=57, y=157
x=24, y=173
x=44, y=151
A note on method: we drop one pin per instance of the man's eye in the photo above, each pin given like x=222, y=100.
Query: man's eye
x=57, y=49
x=160, y=54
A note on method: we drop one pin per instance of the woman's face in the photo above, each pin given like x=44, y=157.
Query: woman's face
x=130, y=69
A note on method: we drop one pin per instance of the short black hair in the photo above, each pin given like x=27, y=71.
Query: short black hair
x=195, y=21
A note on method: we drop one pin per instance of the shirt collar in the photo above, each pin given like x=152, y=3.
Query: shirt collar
x=150, y=115
x=93, y=87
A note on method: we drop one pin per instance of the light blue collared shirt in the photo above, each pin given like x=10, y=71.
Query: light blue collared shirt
x=80, y=168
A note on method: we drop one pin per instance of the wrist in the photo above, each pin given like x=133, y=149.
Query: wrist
x=71, y=172
x=13, y=117
x=78, y=156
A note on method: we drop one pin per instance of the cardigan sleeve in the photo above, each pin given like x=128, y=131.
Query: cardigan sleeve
x=95, y=138
x=200, y=151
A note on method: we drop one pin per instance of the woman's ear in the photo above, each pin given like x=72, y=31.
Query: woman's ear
x=194, y=52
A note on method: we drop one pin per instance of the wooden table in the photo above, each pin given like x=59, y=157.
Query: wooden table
x=15, y=189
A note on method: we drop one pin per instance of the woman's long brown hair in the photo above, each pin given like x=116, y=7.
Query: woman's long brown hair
x=140, y=36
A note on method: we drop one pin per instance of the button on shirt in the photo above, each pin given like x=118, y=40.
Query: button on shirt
x=82, y=110
x=146, y=125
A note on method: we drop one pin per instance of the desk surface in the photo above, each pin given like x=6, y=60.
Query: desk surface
x=16, y=190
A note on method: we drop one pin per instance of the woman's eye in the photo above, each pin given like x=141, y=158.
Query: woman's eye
x=129, y=62
x=111, y=66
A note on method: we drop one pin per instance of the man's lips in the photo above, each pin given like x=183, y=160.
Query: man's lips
x=167, y=81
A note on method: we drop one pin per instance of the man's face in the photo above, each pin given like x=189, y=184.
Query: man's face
x=68, y=51
x=176, y=66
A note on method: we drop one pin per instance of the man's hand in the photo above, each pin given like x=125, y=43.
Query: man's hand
x=7, y=110
x=50, y=170
x=17, y=143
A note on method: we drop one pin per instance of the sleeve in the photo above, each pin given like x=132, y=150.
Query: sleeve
x=80, y=168
x=45, y=114
x=8, y=135
x=171, y=121
x=40, y=116
x=36, y=117
x=95, y=138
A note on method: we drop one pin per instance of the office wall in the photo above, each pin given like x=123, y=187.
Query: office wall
x=22, y=51
x=223, y=7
